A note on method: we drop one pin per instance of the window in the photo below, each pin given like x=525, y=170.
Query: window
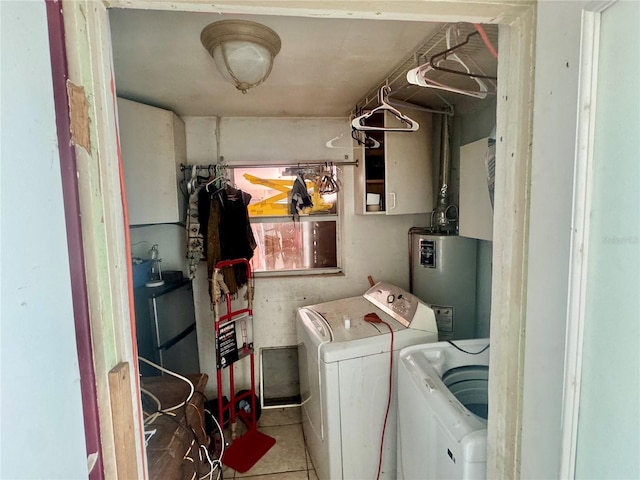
x=306, y=244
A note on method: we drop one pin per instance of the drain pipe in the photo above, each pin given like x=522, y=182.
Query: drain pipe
x=443, y=218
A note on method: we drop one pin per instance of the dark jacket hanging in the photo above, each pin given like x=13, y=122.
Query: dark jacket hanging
x=228, y=234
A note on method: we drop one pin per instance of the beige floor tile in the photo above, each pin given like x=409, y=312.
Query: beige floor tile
x=301, y=475
x=280, y=416
x=287, y=455
x=241, y=429
x=228, y=472
x=313, y=475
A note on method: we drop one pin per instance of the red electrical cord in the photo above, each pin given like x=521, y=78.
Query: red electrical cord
x=486, y=40
x=374, y=318
x=132, y=315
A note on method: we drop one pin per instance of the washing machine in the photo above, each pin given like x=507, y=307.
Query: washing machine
x=442, y=410
x=346, y=369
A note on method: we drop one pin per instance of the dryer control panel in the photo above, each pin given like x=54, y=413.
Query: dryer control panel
x=398, y=303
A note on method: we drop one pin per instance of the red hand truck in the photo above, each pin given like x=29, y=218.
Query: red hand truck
x=250, y=447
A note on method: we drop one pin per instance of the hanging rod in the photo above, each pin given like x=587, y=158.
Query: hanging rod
x=211, y=166
x=317, y=163
x=292, y=164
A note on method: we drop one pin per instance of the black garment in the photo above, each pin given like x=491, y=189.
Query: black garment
x=228, y=233
x=300, y=198
x=236, y=236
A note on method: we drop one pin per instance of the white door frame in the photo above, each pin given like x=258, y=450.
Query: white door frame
x=579, y=256
x=90, y=67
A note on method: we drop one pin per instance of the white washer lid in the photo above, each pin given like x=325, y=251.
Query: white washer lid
x=362, y=338
x=355, y=308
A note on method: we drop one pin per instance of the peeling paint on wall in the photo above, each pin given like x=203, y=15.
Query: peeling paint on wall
x=79, y=116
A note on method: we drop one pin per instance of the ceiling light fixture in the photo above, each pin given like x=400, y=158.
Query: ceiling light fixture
x=243, y=51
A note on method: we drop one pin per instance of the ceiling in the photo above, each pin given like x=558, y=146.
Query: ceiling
x=325, y=68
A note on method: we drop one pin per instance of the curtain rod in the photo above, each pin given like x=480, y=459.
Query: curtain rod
x=184, y=167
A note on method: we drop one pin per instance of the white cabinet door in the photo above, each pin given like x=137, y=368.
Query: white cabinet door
x=476, y=212
x=153, y=146
x=408, y=167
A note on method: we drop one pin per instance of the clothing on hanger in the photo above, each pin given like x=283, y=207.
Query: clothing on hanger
x=300, y=198
x=195, y=239
x=228, y=234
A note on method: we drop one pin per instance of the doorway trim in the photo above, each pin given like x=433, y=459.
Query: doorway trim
x=109, y=291
x=580, y=224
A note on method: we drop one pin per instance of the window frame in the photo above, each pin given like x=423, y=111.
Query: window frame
x=337, y=217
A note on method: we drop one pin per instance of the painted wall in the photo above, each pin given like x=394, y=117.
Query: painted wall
x=172, y=243
x=41, y=419
x=608, y=440
x=554, y=127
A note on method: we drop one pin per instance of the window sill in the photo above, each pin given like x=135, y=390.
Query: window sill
x=327, y=272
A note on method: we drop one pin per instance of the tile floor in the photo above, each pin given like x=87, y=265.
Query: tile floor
x=288, y=459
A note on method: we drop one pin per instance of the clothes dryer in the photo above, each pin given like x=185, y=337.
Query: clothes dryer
x=345, y=371
x=442, y=410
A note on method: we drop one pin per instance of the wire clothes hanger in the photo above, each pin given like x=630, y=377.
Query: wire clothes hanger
x=448, y=52
x=338, y=142
x=333, y=142
x=359, y=136
x=447, y=109
x=220, y=181
x=419, y=75
x=363, y=139
x=411, y=125
x=192, y=184
x=192, y=180
x=327, y=183
x=214, y=181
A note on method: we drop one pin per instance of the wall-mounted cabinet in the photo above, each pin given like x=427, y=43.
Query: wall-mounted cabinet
x=399, y=172
x=153, y=145
x=476, y=212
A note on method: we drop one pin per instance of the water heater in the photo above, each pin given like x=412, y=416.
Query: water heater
x=443, y=275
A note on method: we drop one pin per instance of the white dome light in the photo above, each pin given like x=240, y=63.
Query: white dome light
x=243, y=51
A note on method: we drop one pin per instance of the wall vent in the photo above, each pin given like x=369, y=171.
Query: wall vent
x=279, y=378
